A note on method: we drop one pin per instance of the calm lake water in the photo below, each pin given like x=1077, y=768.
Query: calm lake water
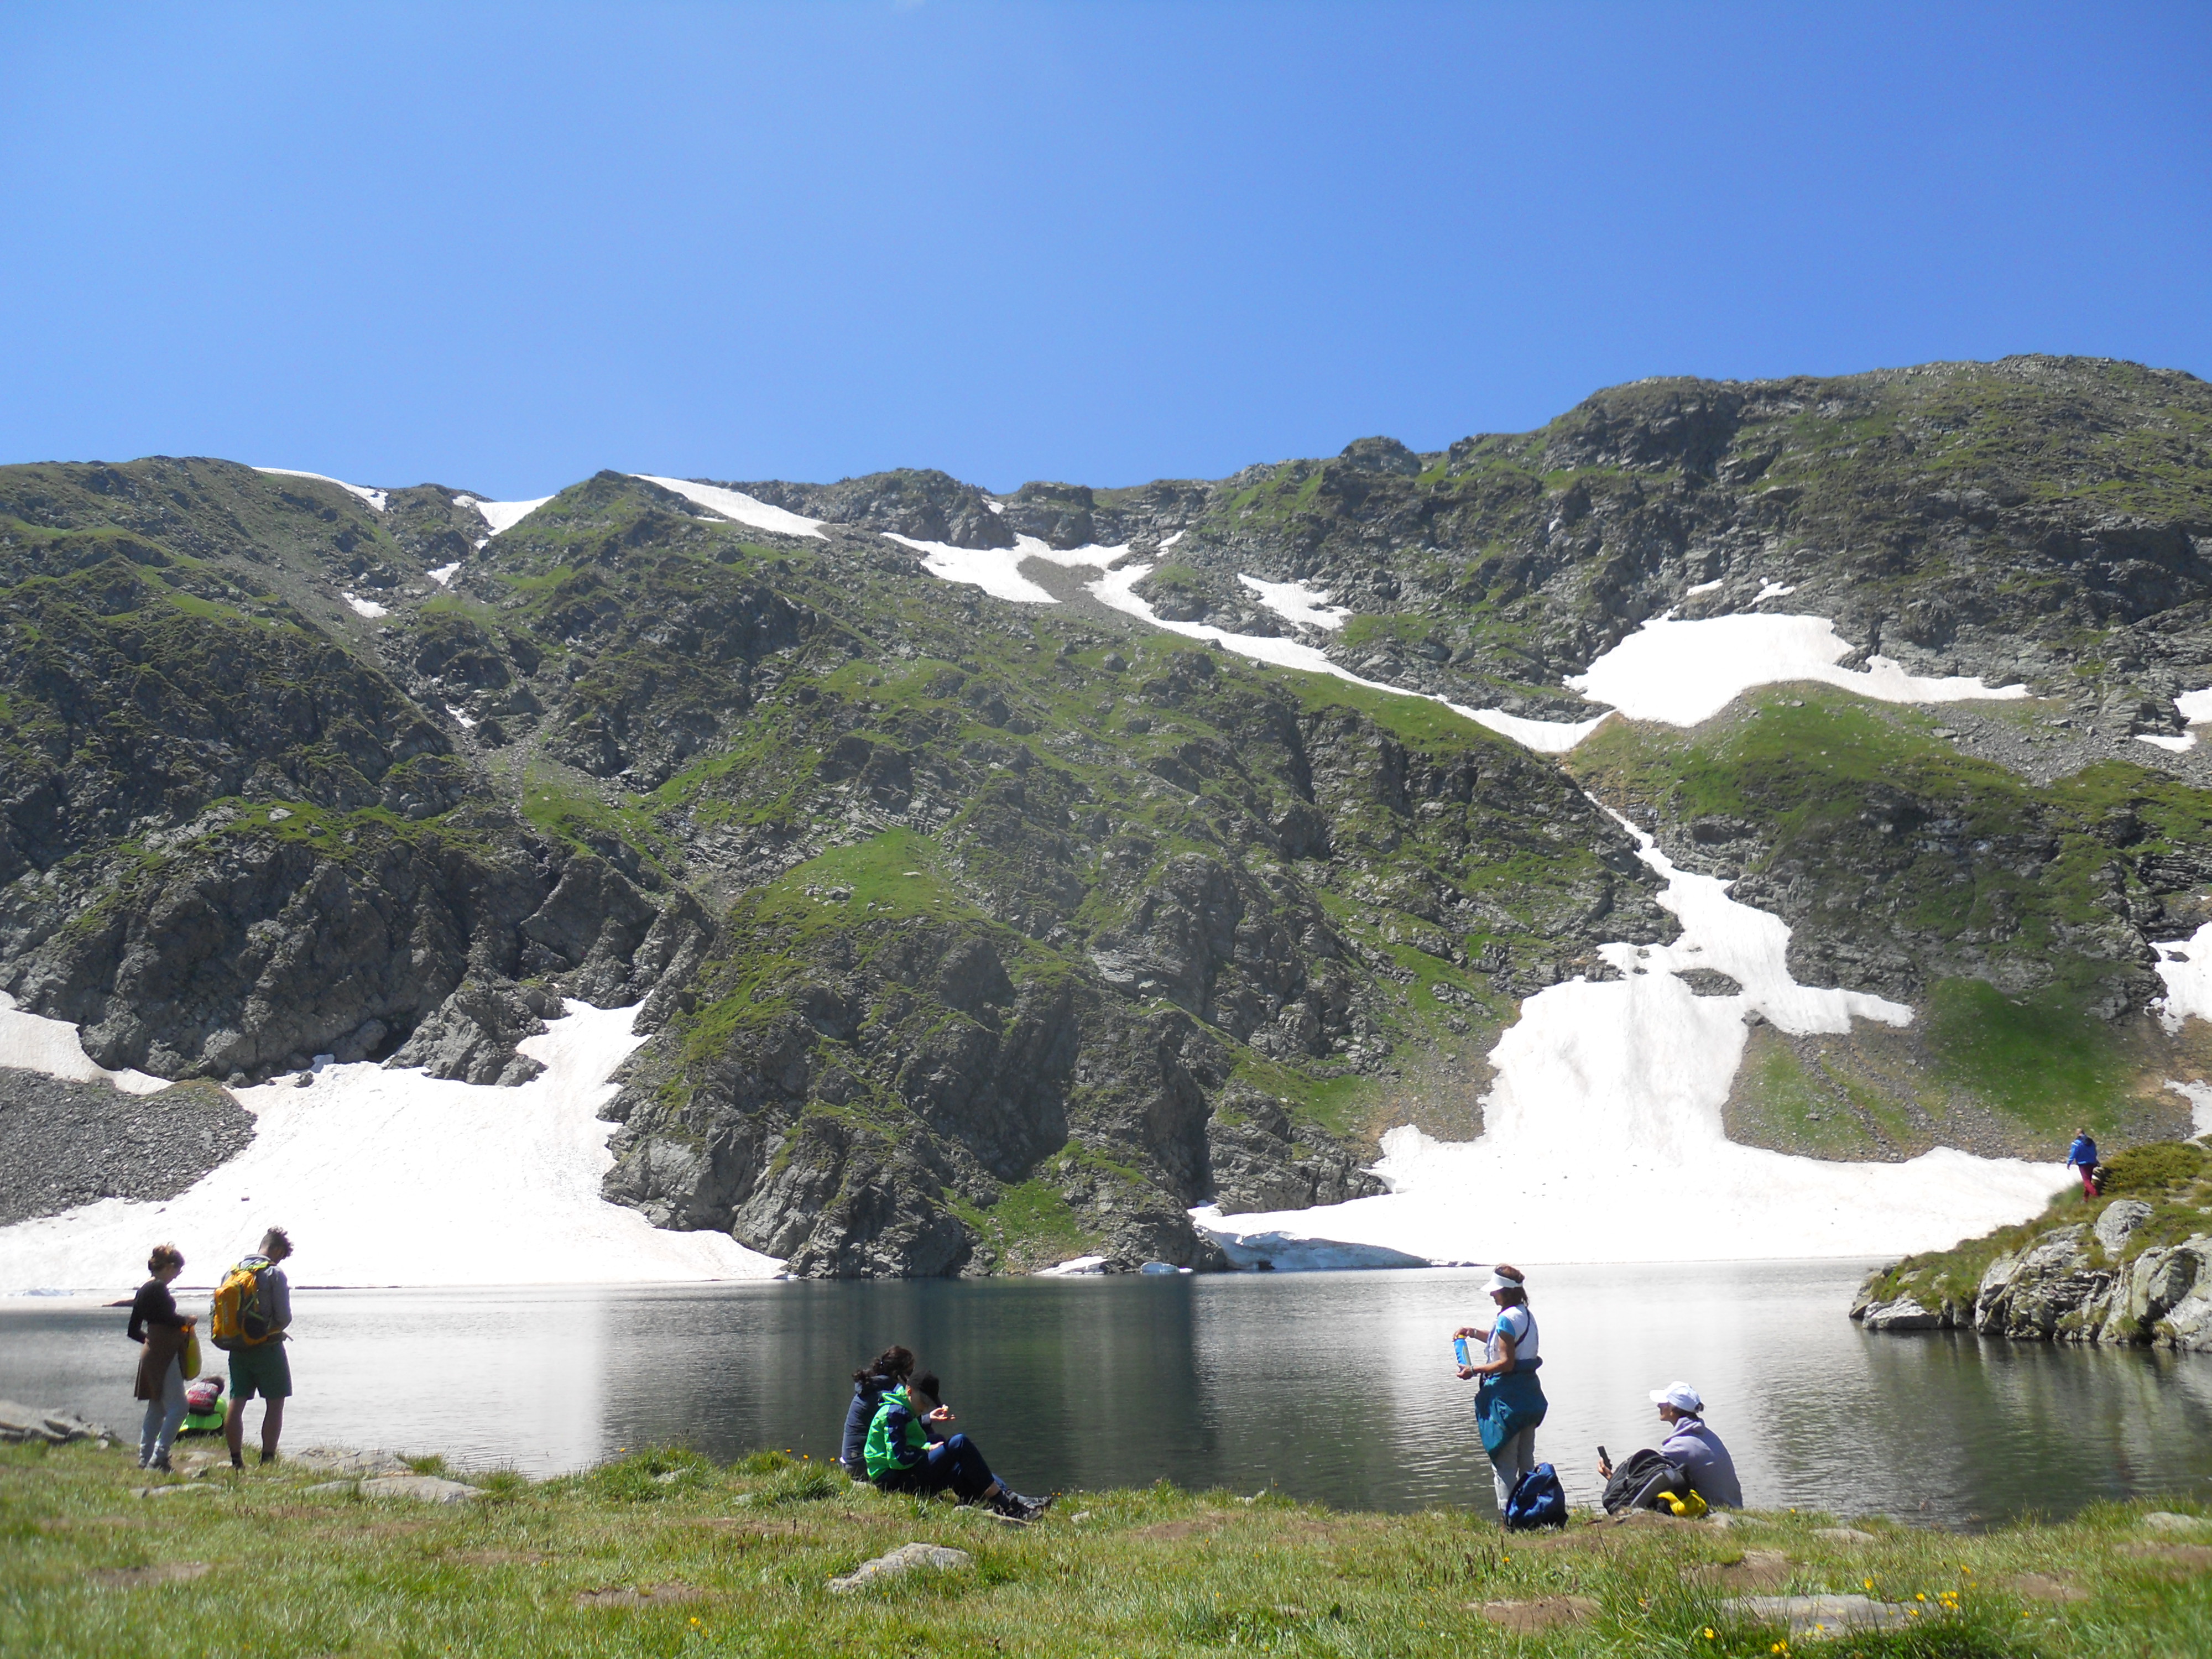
x=1335, y=1386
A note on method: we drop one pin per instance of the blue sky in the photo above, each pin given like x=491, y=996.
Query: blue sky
x=502, y=246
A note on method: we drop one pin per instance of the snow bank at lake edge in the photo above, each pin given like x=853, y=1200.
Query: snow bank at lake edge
x=1603, y=1138
x=394, y=1177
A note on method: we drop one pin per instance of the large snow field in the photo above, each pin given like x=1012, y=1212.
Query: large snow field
x=375, y=498
x=739, y=508
x=1681, y=673
x=390, y=1177
x=1603, y=1140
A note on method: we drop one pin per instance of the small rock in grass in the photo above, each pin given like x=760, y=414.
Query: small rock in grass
x=906, y=1557
x=1544, y=1613
x=1811, y=1615
x=168, y=1491
x=423, y=1488
x=644, y=1596
x=163, y=1572
x=1844, y=1535
x=347, y=1460
x=2037, y=1587
x=2167, y=1521
x=1756, y=1569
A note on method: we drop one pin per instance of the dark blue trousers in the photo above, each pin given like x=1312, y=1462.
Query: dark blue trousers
x=953, y=1463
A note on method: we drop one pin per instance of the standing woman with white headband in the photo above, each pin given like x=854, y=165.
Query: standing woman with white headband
x=1510, y=1402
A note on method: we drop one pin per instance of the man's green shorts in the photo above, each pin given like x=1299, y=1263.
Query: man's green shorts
x=262, y=1370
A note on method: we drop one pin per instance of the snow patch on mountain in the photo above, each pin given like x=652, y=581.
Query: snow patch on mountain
x=1681, y=673
x=1299, y=603
x=739, y=508
x=1603, y=1138
x=390, y=1177
x=503, y=516
x=375, y=498
x=2185, y=965
x=51, y=1049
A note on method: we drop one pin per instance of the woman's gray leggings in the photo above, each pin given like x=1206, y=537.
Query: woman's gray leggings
x=1512, y=1459
x=163, y=1416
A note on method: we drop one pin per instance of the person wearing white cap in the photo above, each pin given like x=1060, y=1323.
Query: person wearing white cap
x=1510, y=1402
x=1692, y=1448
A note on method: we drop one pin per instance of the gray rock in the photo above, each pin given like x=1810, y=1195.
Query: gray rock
x=470, y=1037
x=347, y=1460
x=2049, y=1291
x=2120, y=1221
x=1903, y=1313
x=1845, y=1535
x=1811, y=1615
x=177, y=1491
x=2167, y=1521
x=19, y=1423
x=906, y=1557
x=421, y=1488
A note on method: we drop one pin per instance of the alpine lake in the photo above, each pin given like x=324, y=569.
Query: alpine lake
x=1335, y=1386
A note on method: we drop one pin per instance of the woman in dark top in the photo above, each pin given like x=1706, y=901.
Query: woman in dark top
x=869, y=1383
x=155, y=1323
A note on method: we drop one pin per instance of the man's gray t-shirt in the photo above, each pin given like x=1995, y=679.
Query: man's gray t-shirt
x=1705, y=1461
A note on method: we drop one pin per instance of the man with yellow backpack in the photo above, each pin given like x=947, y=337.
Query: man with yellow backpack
x=252, y=1306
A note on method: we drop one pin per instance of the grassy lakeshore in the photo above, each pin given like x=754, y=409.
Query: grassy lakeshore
x=666, y=1552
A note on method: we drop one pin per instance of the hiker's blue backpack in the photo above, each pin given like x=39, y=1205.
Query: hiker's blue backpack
x=1538, y=1500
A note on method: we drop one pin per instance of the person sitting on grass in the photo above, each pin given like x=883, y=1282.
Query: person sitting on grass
x=870, y=1384
x=1691, y=1447
x=901, y=1457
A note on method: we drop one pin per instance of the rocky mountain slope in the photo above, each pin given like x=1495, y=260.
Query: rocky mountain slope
x=976, y=935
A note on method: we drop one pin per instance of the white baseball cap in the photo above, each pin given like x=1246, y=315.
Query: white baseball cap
x=1680, y=1395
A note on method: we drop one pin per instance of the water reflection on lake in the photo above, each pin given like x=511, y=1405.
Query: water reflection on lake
x=1329, y=1386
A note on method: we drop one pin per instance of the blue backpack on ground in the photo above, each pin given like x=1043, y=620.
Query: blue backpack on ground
x=1538, y=1500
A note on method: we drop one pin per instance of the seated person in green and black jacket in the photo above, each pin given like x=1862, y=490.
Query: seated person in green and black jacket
x=901, y=1457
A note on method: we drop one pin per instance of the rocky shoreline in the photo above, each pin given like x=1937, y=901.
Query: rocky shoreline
x=2137, y=1272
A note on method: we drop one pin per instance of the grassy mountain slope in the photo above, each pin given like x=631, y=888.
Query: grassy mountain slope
x=975, y=935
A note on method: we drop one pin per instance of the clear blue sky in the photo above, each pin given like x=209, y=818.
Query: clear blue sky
x=500, y=247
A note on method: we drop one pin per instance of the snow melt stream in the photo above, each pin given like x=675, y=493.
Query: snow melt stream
x=389, y=1177
x=1603, y=1140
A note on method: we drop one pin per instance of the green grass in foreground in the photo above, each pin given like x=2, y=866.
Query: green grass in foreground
x=736, y=1557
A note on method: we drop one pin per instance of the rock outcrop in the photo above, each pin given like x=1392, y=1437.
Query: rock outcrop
x=2124, y=1277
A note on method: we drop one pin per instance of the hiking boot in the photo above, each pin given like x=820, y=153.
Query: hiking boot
x=1033, y=1507
x=267, y=1458
x=161, y=1463
x=237, y=1461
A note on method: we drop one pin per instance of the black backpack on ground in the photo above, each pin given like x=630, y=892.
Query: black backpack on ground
x=1637, y=1483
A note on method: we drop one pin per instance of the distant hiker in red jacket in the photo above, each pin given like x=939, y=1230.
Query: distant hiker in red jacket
x=2082, y=1154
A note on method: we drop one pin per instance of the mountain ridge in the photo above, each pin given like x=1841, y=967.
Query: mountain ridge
x=974, y=933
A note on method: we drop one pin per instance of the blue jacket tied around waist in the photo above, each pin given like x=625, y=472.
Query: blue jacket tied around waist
x=1504, y=1406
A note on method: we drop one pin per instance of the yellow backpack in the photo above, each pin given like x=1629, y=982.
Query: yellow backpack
x=236, y=1319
